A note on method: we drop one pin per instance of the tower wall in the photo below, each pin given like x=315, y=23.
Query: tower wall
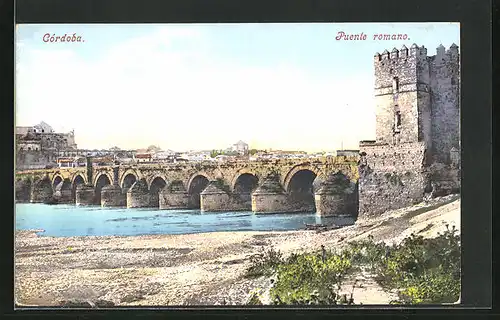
x=445, y=86
x=391, y=177
x=402, y=89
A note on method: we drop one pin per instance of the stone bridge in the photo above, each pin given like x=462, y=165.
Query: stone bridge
x=326, y=185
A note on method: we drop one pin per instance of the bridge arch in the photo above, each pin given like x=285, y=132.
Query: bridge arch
x=300, y=183
x=101, y=175
x=56, y=180
x=306, y=172
x=66, y=184
x=196, y=184
x=155, y=186
x=77, y=180
x=195, y=177
x=63, y=190
x=156, y=178
x=245, y=181
x=128, y=178
x=102, y=179
x=80, y=176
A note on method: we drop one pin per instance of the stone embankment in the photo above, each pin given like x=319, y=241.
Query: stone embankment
x=194, y=269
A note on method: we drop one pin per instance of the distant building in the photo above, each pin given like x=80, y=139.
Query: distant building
x=80, y=161
x=39, y=145
x=43, y=127
x=240, y=147
x=347, y=153
x=143, y=157
x=70, y=162
x=29, y=145
x=222, y=157
x=162, y=155
x=24, y=130
x=102, y=161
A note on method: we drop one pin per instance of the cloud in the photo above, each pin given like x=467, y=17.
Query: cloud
x=169, y=88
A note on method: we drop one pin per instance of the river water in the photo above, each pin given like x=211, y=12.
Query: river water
x=71, y=220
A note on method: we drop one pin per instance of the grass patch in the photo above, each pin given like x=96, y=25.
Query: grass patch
x=424, y=271
x=264, y=263
x=310, y=279
x=302, y=279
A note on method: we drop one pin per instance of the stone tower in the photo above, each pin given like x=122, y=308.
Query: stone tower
x=417, y=128
x=402, y=96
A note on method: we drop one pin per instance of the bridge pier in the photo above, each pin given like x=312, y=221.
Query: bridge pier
x=112, y=196
x=244, y=201
x=301, y=202
x=154, y=199
x=23, y=191
x=62, y=194
x=138, y=195
x=41, y=192
x=336, y=196
x=84, y=195
x=217, y=197
x=170, y=200
x=270, y=197
x=174, y=197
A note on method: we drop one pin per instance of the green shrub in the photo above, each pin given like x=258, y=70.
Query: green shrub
x=366, y=252
x=264, y=263
x=255, y=298
x=310, y=279
x=434, y=286
x=424, y=270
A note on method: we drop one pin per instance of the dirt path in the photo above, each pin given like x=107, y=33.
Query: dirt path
x=193, y=269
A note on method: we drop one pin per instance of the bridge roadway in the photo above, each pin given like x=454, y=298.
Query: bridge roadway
x=326, y=185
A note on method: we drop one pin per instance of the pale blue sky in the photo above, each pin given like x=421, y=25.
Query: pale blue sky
x=205, y=86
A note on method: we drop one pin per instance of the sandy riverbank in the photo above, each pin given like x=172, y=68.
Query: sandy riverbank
x=193, y=269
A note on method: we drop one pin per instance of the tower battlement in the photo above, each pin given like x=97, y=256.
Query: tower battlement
x=403, y=53
x=414, y=51
x=414, y=95
x=444, y=55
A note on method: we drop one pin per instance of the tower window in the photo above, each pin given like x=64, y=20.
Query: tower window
x=395, y=84
x=397, y=122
